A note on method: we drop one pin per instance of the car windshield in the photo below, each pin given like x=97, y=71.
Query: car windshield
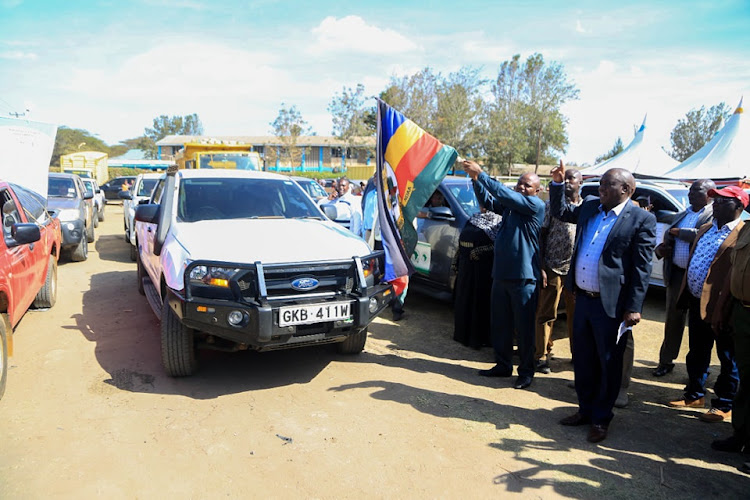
x=681, y=194
x=89, y=186
x=147, y=185
x=61, y=188
x=312, y=188
x=239, y=198
x=463, y=191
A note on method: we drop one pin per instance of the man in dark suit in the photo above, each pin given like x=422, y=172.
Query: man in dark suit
x=675, y=251
x=609, y=274
x=516, y=269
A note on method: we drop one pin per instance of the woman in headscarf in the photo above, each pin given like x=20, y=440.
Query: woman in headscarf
x=474, y=279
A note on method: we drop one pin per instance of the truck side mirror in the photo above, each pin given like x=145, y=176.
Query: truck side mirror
x=87, y=195
x=330, y=211
x=24, y=233
x=125, y=195
x=148, y=213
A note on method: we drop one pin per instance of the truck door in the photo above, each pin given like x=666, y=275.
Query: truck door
x=22, y=263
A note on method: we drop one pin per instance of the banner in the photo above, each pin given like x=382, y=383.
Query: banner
x=25, y=152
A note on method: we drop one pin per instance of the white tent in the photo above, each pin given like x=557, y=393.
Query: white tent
x=642, y=156
x=725, y=157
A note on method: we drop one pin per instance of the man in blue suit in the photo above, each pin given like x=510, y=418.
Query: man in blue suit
x=609, y=274
x=515, y=271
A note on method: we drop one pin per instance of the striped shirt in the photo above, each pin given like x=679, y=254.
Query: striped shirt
x=682, y=247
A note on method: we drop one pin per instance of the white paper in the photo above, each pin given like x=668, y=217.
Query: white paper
x=623, y=328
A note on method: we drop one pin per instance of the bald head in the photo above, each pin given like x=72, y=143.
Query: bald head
x=698, y=193
x=528, y=184
x=615, y=187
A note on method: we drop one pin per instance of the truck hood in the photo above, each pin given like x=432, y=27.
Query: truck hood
x=62, y=203
x=268, y=240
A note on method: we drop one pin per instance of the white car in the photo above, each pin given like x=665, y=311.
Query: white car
x=139, y=192
x=234, y=260
x=99, y=204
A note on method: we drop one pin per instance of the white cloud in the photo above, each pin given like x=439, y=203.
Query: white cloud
x=18, y=55
x=579, y=27
x=353, y=34
x=176, y=4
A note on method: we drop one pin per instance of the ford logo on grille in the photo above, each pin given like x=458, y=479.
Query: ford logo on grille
x=305, y=284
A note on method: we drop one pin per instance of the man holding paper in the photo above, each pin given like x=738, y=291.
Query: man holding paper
x=609, y=274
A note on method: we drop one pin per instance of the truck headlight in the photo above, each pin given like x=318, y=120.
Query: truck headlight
x=371, y=270
x=69, y=214
x=214, y=276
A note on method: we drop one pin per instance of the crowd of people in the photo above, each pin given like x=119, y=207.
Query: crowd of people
x=597, y=253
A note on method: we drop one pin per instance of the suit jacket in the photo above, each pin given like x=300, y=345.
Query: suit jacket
x=686, y=234
x=714, y=301
x=625, y=262
x=517, y=241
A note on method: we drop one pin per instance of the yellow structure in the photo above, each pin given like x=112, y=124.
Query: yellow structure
x=207, y=154
x=91, y=164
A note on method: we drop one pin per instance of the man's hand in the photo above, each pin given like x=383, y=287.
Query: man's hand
x=631, y=318
x=675, y=231
x=558, y=173
x=544, y=279
x=662, y=250
x=472, y=168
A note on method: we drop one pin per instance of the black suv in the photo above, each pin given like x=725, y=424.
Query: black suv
x=113, y=187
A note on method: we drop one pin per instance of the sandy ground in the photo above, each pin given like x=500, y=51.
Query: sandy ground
x=89, y=413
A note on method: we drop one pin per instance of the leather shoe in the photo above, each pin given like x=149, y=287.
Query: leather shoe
x=663, y=369
x=622, y=400
x=575, y=419
x=495, y=371
x=715, y=415
x=522, y=382
x=688, y=403
x=542, y=367
x=732, y=444
x=597, y=432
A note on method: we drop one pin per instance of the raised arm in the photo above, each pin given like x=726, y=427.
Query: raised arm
x=558, y=206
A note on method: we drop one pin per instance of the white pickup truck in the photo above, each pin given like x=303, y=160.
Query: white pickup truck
x=234, y=260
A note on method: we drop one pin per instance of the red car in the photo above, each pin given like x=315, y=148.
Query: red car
x=29, y=251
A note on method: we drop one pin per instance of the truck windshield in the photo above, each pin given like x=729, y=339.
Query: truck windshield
x=237, y=161
x=61, y=188
x=238, y=198
x=147, y=185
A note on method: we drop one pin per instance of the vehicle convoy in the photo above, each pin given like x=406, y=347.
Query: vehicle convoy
x=29, y=251
x=75, y=209
x=234, y=260
x=224, y=155
x=139, y=192
x=92, y=187
x=86, y=164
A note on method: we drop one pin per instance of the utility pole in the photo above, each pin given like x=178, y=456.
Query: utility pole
x=16, y=114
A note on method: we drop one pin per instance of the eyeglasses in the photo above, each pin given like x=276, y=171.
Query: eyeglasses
x=722, y=199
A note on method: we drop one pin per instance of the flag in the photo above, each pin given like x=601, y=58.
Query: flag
x=410, y=165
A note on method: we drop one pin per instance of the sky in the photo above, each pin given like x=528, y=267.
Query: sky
x=112, y=66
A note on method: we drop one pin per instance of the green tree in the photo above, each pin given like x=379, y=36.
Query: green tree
x=164, y=125
x=459, y=108
x=288, y=127
x=349, y=115
x=71, y=140
x=545, y=90
x=416, y=97
x=616, y=150
x=697, y=128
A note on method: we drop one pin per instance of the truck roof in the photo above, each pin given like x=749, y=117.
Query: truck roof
x=224, y=173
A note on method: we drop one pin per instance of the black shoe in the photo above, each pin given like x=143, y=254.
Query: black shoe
x=542, y=367
x=495, y=371
x=663, y=369
x=397, y=315
x=522, y=382
x=732, y=444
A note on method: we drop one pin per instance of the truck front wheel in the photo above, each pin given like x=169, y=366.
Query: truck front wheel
x=90, y=232
x=177, y=345
x=3, y=358
x=47, y=295
x=81, y=251
x=354, y=343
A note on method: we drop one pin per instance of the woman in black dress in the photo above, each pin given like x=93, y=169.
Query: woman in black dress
x=474, y=279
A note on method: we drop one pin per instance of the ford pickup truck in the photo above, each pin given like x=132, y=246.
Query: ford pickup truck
x=29, y=250
x=235, y=260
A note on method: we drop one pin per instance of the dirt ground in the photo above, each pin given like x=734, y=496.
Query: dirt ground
x=89, y=413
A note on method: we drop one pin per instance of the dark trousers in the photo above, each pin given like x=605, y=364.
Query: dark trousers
x=513, y=311
x=741, y=336
x=674, y=324
x=701, y=339
x=598, y=359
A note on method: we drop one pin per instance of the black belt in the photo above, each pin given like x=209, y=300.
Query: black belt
x=591, y=295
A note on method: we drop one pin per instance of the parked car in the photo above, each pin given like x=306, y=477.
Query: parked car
x=29, y=251
x=75, y=209
x=235, y=259
x=311, y=187
x=99, y=204
x=139, y=192
x=113, y=187
x=438, y=231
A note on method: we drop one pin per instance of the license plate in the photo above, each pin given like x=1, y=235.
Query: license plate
x=314, y=313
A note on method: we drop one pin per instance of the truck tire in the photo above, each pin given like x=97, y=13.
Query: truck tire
x=139, y=271
x=47, y=295
x=95, y=219
x=354, y=343
x=3, y=358
x=90, y=231
x=80, y=252
x=133, y=252
x=177, y=345
x=100, y=214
